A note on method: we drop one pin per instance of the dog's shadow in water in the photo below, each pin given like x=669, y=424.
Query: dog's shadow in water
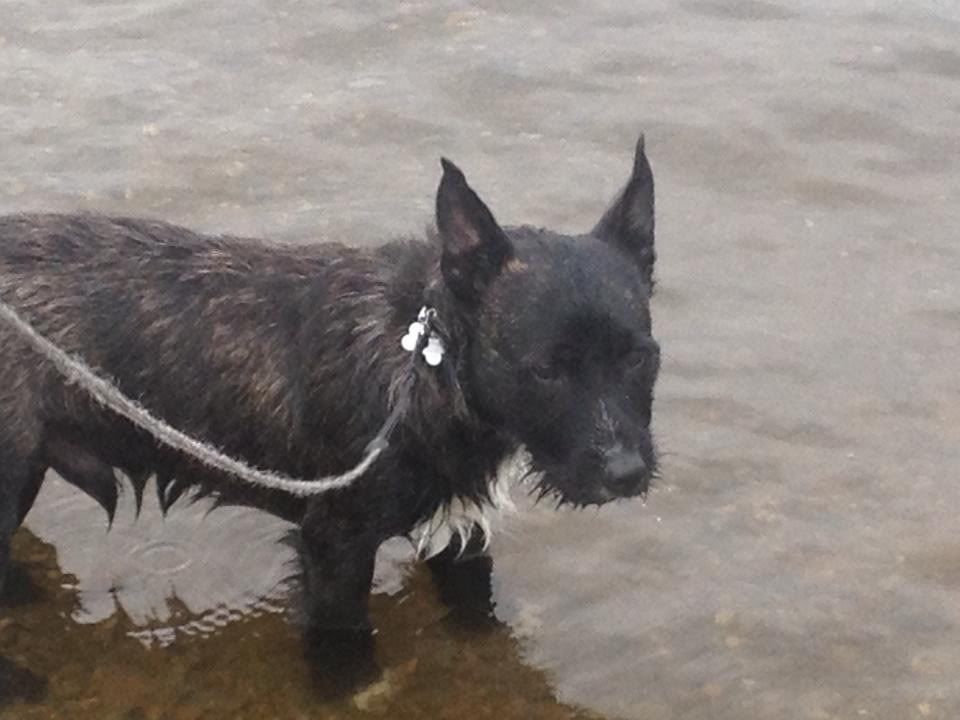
x=438, y=652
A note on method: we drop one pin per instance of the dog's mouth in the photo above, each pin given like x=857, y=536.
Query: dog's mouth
x=595, y=486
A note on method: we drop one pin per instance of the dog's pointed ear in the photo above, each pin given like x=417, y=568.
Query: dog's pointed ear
x=629, y=221
x=475, y=248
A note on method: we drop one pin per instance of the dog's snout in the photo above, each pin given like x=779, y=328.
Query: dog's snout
x=622, y=462
x=626, y=472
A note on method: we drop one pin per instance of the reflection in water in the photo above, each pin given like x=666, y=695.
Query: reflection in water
x=167, y=574
x=799, y=558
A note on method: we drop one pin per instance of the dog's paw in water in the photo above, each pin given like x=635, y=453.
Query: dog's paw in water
x=341, y=662
x=464, y=583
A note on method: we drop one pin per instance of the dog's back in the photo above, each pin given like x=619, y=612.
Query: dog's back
x=215, y=334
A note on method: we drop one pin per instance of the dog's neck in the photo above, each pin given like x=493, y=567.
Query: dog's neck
x=443, y=421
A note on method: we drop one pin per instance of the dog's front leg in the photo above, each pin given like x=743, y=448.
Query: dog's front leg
x=337, y=575
x=338, y=544
x=463, y=575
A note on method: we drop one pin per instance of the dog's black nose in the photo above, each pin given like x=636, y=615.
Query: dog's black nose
x=626, y=472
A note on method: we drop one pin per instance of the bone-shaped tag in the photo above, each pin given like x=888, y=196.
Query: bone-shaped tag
x=434, y=350
x=410, y=340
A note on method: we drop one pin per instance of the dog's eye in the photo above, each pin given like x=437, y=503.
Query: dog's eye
x=635, y=360
x=643, y=362
x=547, y=372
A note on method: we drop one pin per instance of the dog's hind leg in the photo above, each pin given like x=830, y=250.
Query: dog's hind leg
x=21, y=443
x=20, y=480
x=29, y=495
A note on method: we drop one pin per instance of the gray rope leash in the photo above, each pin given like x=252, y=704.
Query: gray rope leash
x=77, y=372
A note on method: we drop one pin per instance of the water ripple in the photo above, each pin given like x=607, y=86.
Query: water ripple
x=190, y=573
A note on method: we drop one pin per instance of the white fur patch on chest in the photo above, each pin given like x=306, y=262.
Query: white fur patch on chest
x=460, y=516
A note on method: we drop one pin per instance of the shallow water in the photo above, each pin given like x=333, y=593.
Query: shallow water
x=800, y=557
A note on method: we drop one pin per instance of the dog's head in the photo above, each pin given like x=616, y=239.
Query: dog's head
x=559, y=350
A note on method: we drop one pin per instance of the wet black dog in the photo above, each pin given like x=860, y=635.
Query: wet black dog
x=286, y=356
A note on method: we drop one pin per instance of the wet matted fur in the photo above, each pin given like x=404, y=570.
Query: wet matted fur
x=287, y=355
